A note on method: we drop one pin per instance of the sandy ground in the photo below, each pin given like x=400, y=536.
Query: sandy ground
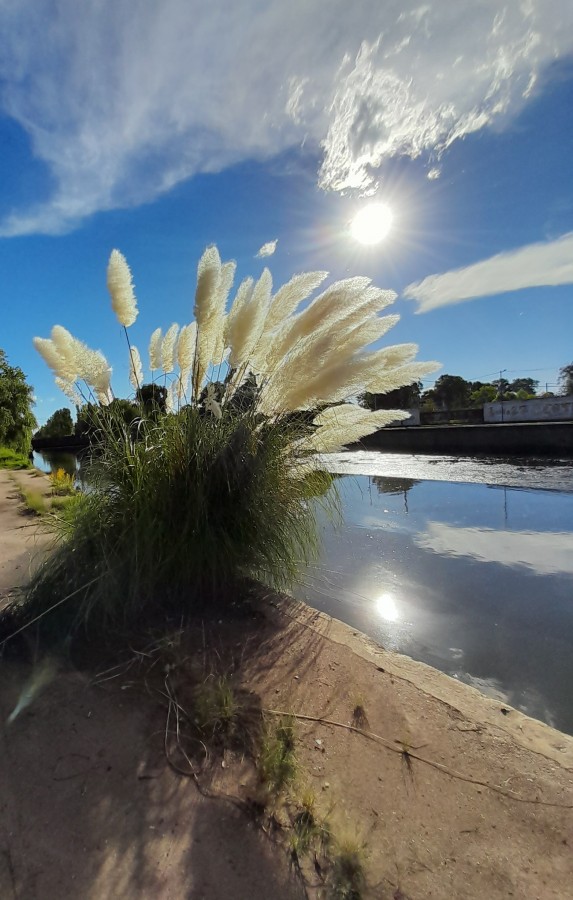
x=22, y=544
x=481, y=807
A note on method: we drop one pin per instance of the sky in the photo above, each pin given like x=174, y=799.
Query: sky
x=159, y=128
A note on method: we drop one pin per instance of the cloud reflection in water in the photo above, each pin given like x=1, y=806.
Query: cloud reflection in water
x=544, y=553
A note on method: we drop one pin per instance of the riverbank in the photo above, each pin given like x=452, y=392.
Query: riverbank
x=453, y=795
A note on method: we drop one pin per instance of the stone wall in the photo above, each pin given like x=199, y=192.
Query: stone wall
x=542, y=409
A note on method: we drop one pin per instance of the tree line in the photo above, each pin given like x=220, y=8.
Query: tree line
x=454, y=392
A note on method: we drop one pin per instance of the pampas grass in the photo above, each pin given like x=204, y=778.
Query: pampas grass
x=218, y=488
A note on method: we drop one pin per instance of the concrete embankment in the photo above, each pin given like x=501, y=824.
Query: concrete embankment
x=551, y=439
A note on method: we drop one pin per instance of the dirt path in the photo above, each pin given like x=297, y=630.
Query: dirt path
x=479, y=806
x=22, y=542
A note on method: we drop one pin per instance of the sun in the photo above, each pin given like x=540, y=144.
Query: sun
x=372, y=223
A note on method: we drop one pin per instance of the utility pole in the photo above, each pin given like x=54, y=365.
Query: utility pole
x=501, y=371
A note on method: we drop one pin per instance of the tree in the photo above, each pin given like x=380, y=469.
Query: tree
x=59, y=424
x=16, y=418
x=486, y=393
x=529, y=385
x=407, y=397
x=152, y=397
x=566, y=379
x=451, y=392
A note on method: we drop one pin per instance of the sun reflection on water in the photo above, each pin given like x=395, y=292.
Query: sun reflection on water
x=386, y=607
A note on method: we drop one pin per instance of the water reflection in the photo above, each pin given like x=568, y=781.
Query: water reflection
x=475, y=582
x=545, y=553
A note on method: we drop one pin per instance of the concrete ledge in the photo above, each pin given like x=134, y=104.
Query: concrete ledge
x=513, y=439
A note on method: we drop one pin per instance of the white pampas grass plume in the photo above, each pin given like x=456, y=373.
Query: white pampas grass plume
x=291, y=295
x=65, y=344
x=69, y=390
x=120, y=287
x=47, y=350
x=186, y=347
x=206, y=295
x=155, y=350
x=219, y=320
x=168, y=348
x=211, y=404
x=135, y=368
x=342, y=425
x=246, y=327
x=170, y=404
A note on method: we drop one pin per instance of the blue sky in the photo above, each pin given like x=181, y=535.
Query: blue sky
x=188, y=124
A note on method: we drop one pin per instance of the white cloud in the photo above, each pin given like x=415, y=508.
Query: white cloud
x=122, y=101
x=535, y=265
x=267, y=249
x=544, y=553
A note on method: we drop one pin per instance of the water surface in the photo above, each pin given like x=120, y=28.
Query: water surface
x=474, y=578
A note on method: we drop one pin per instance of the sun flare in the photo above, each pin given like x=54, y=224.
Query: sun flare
x=372, y=224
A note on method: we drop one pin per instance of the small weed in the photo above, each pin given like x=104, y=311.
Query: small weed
x=216, y=709
x=277, y=758
x=347, y=877
x=359, y=717
x=310, y=834
x=62, y=483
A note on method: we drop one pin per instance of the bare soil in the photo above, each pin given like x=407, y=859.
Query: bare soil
x=453, y=794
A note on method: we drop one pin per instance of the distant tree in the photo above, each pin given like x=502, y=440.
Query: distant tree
x=16, y=418
x=529, y=385
x=153, y=398
x=89, y=417
x=59, y=424
x=502, y=387
x=451, y=392
x=403, y=398
x=566, y=379
x=486, y=393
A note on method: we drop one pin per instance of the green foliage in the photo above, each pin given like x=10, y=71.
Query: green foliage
x=97, y=422
x=526, y=386
x=9, y=459
x=16, y=418
x=484, y=394
x=153, y=399
x=449, y=392
x=407, y=397
x=566, y=379
x=178, y=518
x=59, y=424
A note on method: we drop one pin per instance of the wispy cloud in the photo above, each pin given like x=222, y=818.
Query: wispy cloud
x=122, y=102
x=267, y=249
x=536, y=265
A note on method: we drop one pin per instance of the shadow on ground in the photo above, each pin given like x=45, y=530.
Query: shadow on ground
x=90, y=809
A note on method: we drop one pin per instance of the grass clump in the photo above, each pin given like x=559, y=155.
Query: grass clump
x=347, y=875
x=178, y=517
x=277, y=762
x=216, y=709
x=10, y=459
